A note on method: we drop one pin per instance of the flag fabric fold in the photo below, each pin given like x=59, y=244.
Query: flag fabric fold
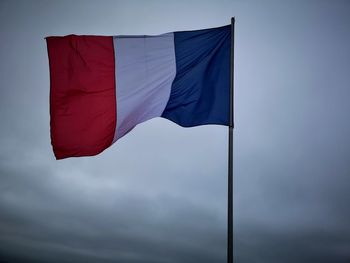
x=101, y=87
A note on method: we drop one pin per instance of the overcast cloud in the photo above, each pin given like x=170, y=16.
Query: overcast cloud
x=159, y=194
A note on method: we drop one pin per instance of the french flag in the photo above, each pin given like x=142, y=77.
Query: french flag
x=101, y=87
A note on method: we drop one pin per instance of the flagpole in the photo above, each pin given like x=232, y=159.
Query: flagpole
x=230, y=153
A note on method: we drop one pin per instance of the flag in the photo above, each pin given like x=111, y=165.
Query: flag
x=101, y=87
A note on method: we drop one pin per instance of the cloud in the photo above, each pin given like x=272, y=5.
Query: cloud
x=159, y=194
x=45, y=214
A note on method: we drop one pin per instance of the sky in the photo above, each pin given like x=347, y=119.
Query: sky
x=159, y=195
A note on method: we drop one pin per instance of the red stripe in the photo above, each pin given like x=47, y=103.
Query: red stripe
x=82, y=94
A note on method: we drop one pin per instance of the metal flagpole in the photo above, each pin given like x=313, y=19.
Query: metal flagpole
x=230, y=153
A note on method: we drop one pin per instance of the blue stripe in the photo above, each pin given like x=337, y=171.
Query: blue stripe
x=200, y=91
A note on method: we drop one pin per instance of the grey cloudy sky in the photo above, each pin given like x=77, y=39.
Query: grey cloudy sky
x=159, y=194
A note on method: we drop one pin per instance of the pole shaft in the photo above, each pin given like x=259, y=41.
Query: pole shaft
x=230, y=153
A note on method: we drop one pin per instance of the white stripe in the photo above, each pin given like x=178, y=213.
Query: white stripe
x=145, y=69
